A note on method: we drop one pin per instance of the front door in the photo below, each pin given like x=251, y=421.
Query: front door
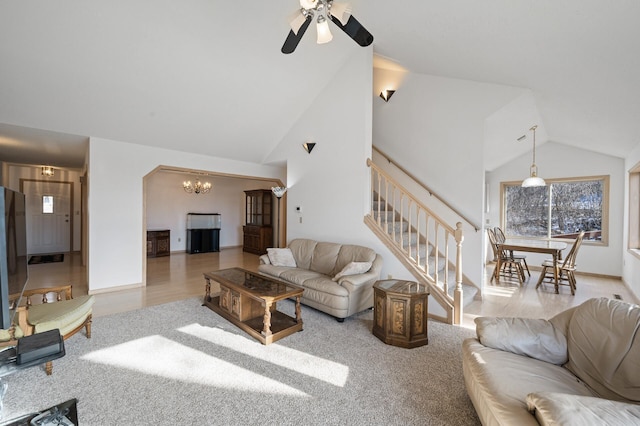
x=48, y=216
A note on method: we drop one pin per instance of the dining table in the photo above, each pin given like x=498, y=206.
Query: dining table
x=554, y=248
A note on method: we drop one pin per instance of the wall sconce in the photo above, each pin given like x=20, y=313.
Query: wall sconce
x=47, y=171
x=386, y=94
x=308, y=146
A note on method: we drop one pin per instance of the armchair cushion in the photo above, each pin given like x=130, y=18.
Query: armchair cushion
x=65, y=315
x=535, y=338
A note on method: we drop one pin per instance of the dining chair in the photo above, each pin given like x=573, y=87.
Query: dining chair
x=566, y=271
x=500, y=238
x=506, y=261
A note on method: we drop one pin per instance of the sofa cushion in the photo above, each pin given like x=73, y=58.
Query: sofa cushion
x=352, y=253
x=535, y=338
x=281, y=257
x=604, y=347
x=324, y=258
x=498, y=383
x=353, y=268
x=552, y=408
x=325, y=285
x=302, y=250
x=65, y=315
x=299, y=276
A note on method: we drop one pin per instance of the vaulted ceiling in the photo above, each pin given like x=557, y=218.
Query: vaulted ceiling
x=207, y=76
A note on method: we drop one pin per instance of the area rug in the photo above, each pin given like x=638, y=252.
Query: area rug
x=46, y=258
x=180, y=363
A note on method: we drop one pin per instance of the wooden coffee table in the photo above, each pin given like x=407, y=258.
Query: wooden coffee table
x=248, y=300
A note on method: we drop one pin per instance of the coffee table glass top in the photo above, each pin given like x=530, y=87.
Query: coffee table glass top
x=257, y=284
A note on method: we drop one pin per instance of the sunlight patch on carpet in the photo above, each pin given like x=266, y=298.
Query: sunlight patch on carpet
x=309, y=365
x=159, y=356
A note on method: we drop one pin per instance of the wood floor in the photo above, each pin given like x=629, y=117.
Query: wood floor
x=179, y=276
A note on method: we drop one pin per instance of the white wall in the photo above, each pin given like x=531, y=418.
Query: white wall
x=556, y=160
x=168, y=205
x=631, y=264
x=17, y=172
x=116, y=214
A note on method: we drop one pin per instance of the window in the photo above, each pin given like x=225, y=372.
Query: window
x=47, y=204
x=561, y=209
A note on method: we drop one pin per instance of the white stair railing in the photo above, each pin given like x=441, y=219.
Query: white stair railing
x=419, y=238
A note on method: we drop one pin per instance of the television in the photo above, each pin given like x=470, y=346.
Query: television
x=13, y=251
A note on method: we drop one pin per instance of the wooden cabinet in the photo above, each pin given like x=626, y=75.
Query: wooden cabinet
x=258, y=231
x=400, y=313
x=158, y=243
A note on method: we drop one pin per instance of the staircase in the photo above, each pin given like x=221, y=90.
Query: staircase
x=428, y=247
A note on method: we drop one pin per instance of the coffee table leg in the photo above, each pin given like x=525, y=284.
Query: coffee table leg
x=267, y=320
x=298, y=313
x=207, y=290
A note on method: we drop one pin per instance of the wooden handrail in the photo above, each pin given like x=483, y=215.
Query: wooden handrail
x=429, y=190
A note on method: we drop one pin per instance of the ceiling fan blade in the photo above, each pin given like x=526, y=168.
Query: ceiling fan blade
x=355, y=30
x=293, y=39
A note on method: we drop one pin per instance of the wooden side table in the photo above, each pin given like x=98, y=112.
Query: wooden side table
x=400, y=313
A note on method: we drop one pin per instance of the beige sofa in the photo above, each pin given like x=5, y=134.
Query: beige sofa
x=581, y=367
x=337, y=278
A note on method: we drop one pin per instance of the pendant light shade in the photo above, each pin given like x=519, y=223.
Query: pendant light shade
x=533, y=180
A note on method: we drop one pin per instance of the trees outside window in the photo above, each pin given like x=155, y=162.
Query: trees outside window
x=561, y=209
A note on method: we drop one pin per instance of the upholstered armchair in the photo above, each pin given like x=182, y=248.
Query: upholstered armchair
x=57, y=309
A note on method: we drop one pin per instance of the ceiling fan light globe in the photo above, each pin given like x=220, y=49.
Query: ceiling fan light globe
x=324, y=34
x=308, y=4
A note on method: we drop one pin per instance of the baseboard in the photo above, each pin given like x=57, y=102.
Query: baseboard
x=116, y=288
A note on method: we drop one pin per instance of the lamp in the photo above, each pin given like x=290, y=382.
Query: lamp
x=197, y=188
x=278, y=191
x=308, y=146
x=533, y=180
x=47, y=171
x=386, y=94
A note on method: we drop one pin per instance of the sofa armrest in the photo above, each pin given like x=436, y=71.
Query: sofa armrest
x=552, y=408
x=352, y=281
x=535, y=338
x=264, y=260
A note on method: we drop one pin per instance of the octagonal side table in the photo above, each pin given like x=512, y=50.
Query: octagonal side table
x=400, y=313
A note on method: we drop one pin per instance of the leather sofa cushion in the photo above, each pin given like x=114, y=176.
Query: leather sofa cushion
x=551, y=408
x=352, y=253
x=65, y=315
x=299, y=276
x=604, y=347
x=499, y=382
x=535, y=338
x=326, y=285
x=302, y=250
x=324, y=258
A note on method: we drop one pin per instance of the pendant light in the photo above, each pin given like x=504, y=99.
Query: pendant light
x=533, y=180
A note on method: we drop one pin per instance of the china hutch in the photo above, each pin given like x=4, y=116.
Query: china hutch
x=259, y=214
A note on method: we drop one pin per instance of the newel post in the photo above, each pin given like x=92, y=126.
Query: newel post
x=457, y=294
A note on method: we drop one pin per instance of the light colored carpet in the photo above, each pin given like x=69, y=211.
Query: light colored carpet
x=180, y=363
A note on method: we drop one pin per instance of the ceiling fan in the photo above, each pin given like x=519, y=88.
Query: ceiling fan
x=322, y=11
